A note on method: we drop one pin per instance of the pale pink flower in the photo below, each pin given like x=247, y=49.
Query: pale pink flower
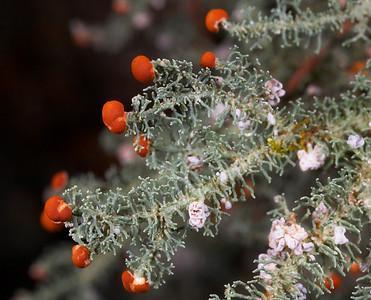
x=355, y=141
x=339, y=235
x=274, y=91
x=301, y=292
x=198, y=213
x=126, y=153
x=194, y=162
x=241, y=118
x=312, y=158
x=219, y=110
x=271, y=119
x=223, y=177
x=291, y=236
x=320, y=212
x=266, y=268
x=227, y=205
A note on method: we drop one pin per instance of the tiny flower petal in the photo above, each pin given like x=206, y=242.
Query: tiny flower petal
x=312, y=158
x=274, y=91
x=271, y=119
x=339, y=235
x=223, y=177
x=355, y=141
x=198, y=213
x=194, y=162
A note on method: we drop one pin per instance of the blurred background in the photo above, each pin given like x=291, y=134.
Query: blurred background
x=56, y=72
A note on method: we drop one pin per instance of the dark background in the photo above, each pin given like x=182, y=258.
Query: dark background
x=51, y=96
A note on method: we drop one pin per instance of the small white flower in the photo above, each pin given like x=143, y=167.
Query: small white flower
x=219, y=80
x=320, y=212
x=301, y=292
x=274, y=91
x=355, y=141
x=223, y=177
x=242, y=122
x=219, y=110
x=266, y=268
x=126, y=153
x=198, y=213
x=271, y=119
x=226, y=203
x=242, y=125
x=308, y=247
x=194, y=162
x=312, y=158
x=291, y=236
x=238, y=113
x=339, y=235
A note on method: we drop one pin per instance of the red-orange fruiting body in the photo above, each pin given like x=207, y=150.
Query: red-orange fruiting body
x=80, y=256
x=114, y=116
x=134, y=284
x=336, y=280
x=142, y=145
x=49, y=225
x=357, y=67
x=65, y=212
x=214, y=17
x=59, y=180
x=121, y=7
x=57, y=210
x=142, y=69
x=355, y=268
x=208, y=60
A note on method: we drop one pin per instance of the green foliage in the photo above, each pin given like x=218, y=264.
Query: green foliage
x=295, y=23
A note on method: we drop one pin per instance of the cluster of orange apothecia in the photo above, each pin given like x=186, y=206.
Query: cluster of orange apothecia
x=113, y=112
x=57, y=211
x=335, y=278
x=58, y=183
x=115, y=119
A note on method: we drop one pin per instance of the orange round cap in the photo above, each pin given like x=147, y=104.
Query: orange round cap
x=51, y=208
x=142, y=146
x=142, y=69
x=80, y=256
x=208, y=60
x=114, y=116
x=49, y=225
x=59, y=180
x=214, y=17
x=64, y=211
x=134, y=284
x=336, y=280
